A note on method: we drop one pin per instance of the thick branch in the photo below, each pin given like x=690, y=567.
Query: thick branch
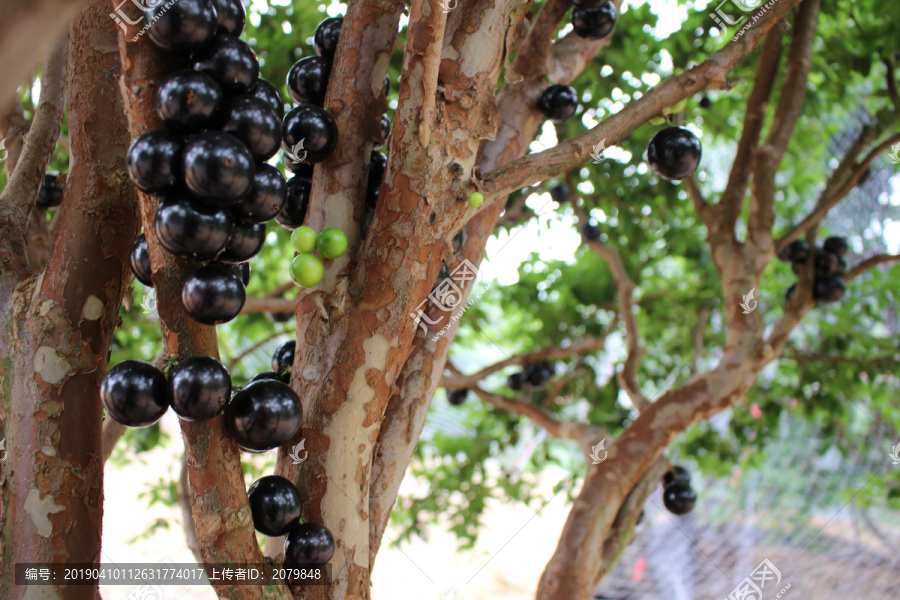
x=584, y=346
x=18, y=197
x=563, y=157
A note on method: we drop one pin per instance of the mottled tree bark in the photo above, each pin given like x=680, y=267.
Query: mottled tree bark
x=58, y=340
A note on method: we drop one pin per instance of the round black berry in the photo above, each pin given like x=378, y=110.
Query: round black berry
x=198, y=388
x=315, y=127
x=192, y=229
x=836, y=245
x=268, y=93
x=218, y=167
x=263, y=415
x=457, y=397
x=51, y=194
x=326, y=36
x=134, y=393
x=678, y=475
x=558, y=102
x=377, y=166
x=154, y=161
x=139, y=259
x=560, y=193
x=229, y=61
x=283, y=359
x=828, y=289
x=274, y=504
x=294, y=211
x=213, y=294
x=230, y=16
x=595, y=24
x=307, y=80
x=254, y=123
x=679, y=498
x=245, y=243
x=674, y=153
x=185, y=25
x=187, y=101
x=795, y=252
x=308, y=544
x=265, y=199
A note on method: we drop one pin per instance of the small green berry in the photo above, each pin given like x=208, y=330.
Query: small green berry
x=307, y=269
x=476, y=199
x=304, y=239
x=332, y=243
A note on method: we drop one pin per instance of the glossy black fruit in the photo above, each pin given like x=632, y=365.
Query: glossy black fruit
x=184, y=25
x=387, y=85
x=191, y=228
x=595, y=24
x=795, y=252
x=458, y=240
x=457, y=397
x=308, y=544
x=198, y=388
x=218, y=168
x=591, y=232
x=827, y=263
x=187, y=101
x=307, y=81
x=705, y=102
x=516, y=381
x=679, y=498
x=154, y=161
x=254, y=123
x=139, y=259
x=229, y=61
x=539, y=373
x=134, y=393
x=230, y=16
x=264, y=376
x=315, y=127
x=274, y=504
x=242, y=270
x=678, y=475
x=263, y=415
x=385, y=127
x=828, y=289
x=291, y=217
x=283, y=358
x=789, y=293
x=245, y=243
x=560, y=193
x=377, y=166
x=558, y=102
x=836, y=245
x=326, y=36
x=51, y=194
x=265, y=199
x=280, y=317
x=213, y=294
x=268, y=93
x=674, y=153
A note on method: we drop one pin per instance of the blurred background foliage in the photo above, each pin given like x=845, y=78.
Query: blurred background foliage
x=837, y=383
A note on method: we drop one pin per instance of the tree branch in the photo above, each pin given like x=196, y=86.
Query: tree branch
x=563, y=157
x=838, y=187
x=854, y=360
x=584, y=346
x=862, y=267
x=17, y=199
x=768, y=158
x=628, y=375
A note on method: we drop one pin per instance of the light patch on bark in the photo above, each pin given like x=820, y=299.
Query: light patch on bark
x=381, y=66
x=340, y=216
x=343, y=459
x=48, y=450
x=50, y=366
x=39, y=509
x=40, y=592
x=93, y=308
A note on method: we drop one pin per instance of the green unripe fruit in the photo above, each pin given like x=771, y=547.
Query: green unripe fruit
x=657, y=121
x=307, y=269
x=476, y=199
x=332, y=243
x=303, y=239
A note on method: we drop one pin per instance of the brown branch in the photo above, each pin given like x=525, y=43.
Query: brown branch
x=533, y=53
x=790, y=106
x=220, y=510
x=628, y=375
x=581, y=347
x=754, y=118
x=17, y=199
x=862, y=267
x=861, y=360
x=838, y=187
x=569, y=430
x=233, y=362
x=112, y=433
x=563, y=157
x=13, y=127
x=274, y=305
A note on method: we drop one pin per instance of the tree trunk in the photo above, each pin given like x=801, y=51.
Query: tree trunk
x=65, y=319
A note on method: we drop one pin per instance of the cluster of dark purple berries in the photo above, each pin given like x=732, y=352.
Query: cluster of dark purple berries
x=221, y=123
x=678, y=495
x=829, y=265
x=534, y=374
